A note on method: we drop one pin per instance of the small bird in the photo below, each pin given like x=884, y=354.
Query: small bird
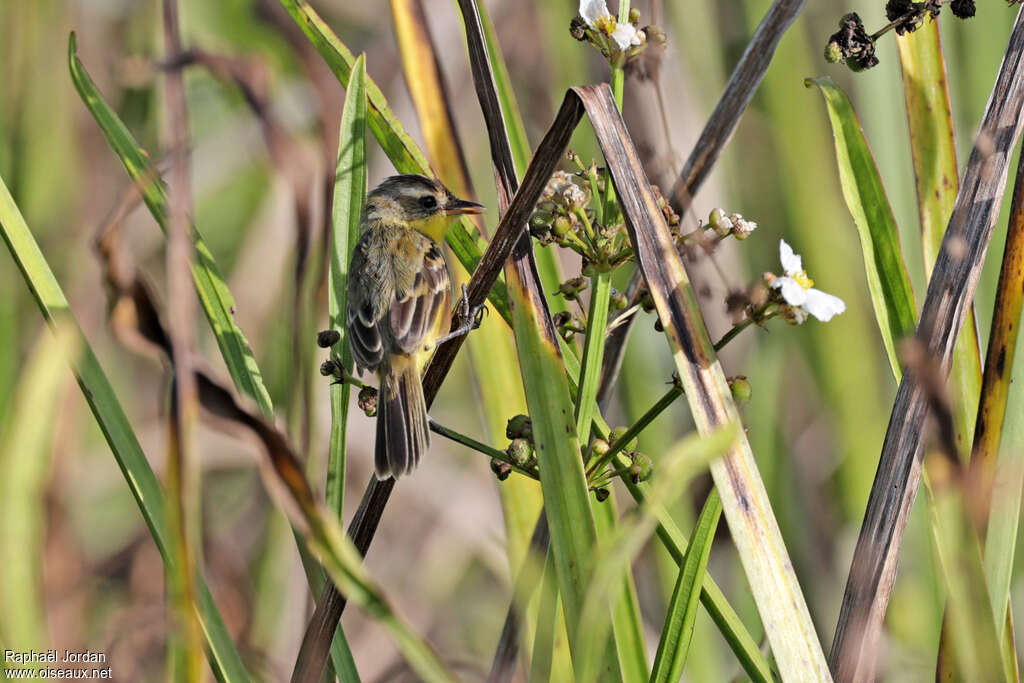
x=399, y=306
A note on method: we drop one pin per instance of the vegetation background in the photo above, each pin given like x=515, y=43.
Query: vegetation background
x=821, y=392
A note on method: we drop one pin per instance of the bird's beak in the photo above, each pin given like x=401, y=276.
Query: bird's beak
x=458, y=207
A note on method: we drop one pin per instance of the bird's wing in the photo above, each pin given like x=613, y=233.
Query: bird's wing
x=417, y=310
x=363, y=315
x=391, y=312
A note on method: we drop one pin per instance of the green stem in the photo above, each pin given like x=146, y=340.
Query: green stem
x=588, y=228
x=595, y=192
x=647, y=418
x=593, y=353
x=731, y=334
x=618, y=82
x=475, y=445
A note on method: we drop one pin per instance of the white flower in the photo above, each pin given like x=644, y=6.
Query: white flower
x=597, y=16
x=627, y=36
x=797, y=289
x=592, y=10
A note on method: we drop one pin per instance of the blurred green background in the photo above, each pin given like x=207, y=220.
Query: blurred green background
x=822, y=392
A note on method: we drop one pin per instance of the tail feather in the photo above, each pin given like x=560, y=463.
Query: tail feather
x=402, y=433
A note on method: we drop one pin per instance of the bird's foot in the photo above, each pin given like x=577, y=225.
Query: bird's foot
x=469, y=318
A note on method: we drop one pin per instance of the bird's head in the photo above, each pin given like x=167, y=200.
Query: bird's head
x=418, y=202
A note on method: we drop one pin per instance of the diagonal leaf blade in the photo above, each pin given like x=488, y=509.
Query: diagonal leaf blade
x=213, y=292
x=888, y=282
x=99, y=394
x=682, y=609
x=396, y=143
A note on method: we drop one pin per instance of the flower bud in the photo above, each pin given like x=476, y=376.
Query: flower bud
x=599, y=446
x=634, y=16
x=601, y=494
x=720, y=223
x=328, y=367
x=327, y=338
x=742, y=227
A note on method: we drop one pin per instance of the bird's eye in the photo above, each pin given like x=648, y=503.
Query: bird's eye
x=428, y=202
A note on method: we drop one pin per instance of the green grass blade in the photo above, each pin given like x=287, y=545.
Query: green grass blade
x=547, y=259
x=550, y=627
x=998, y=457
x=589, y=376
x=571, y=521
x=349, y=197
x=213, y=292
x=728, y=622
x=933, y=152
x=745, y=502
x=517, y=138
x=618, y=549
x=107, y=410
x=682, y=610
x=888, y=282
x=627, y=624
x=974, y=642
x=344, y=565
x=396, y=143
x=25, y=461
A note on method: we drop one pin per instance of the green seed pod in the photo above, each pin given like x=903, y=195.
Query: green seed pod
x=741, y=389
x=570, y=289
x=519, y=451
x=599, y=446
x=617, y=434
x=641, y=468
x=327, y=338
x=561, y=226
x=618, y=300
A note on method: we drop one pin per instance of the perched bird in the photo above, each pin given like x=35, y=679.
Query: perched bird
x=399, y=306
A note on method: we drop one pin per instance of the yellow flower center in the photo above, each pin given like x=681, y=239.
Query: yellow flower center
x=606, y=24
x=802, y=279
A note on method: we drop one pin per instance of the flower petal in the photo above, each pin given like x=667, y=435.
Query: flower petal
x=791, y=262
x=823, y=306
x=792, y=292
x=626, y=36
x=592, y=10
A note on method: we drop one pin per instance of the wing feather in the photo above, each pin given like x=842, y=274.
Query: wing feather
x=414, y=316
x=416, y=297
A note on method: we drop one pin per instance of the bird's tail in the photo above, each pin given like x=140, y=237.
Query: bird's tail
x=402, y=433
